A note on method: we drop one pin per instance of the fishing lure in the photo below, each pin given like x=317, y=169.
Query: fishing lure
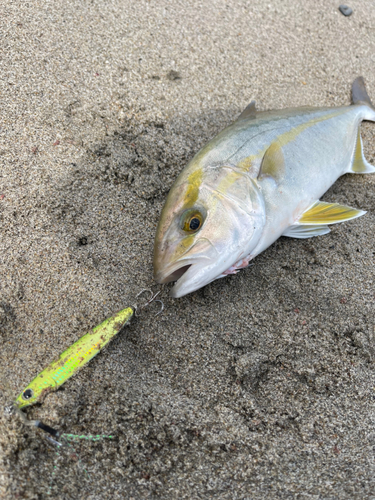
x=73, y=359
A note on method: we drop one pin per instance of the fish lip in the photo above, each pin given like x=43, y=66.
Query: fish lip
x=187, y=283
x=163, y=275
x=166, y=275
x=183, y=286
x=204, y=255
x=187, y=260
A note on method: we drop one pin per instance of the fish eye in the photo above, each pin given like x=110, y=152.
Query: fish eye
x=192, y=220
x=28, y=394
x=194, y=223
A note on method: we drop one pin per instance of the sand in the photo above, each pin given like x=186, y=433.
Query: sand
x=260, y=385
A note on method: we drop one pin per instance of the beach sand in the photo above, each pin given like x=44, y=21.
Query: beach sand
x=260, y=385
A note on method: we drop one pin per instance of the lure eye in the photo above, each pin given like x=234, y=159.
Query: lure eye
x=28, y=394
x=192, y=221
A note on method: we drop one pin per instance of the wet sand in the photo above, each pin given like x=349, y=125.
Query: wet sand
x=260, y=385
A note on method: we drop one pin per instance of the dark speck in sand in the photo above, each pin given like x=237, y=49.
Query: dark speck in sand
x=173, y=75
x=82, y=241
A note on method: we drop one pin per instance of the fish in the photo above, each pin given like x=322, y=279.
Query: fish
x=72, y=360
x=260, y=178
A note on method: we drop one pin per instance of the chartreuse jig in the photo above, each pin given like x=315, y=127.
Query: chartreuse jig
x=72, y=360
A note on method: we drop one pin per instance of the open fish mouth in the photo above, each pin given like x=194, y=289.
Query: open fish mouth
x=188, y=276
x=191, y=271
x=174, y=275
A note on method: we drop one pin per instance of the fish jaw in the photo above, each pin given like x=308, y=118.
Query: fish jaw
x=195, y=277
x=192, y=270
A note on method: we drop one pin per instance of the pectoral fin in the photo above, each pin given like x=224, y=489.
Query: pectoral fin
x=360, y=165
x=273, y=163
x=328, y=213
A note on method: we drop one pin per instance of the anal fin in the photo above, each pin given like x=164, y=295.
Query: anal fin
x=360, y=165
x=314, y=221
x=306, y=231
x=328, y=213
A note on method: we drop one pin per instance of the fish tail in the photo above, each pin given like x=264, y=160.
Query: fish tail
x=360, y=96
x=359, y=92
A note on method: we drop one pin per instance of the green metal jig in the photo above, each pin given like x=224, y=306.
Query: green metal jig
x=73, y=359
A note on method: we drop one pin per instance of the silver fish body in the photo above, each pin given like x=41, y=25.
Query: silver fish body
x=260, y=178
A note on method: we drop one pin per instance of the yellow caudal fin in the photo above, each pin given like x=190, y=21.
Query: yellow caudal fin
x=360, y=165
x=328, y=213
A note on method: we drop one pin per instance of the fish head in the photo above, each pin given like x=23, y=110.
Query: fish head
x=211, y=219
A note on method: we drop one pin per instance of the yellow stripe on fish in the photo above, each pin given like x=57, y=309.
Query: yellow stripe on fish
x=285, y=138
x=192, y=188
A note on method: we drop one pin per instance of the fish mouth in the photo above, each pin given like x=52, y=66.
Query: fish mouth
x=191, y=271
x=187, y=276
x=172, y=275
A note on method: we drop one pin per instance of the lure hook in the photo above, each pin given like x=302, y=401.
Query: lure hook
x=137, y=308
x=162, y=307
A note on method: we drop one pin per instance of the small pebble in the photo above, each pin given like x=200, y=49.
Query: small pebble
x=344, y=9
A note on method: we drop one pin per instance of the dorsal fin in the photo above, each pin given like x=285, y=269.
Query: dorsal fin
x=328, y=213
x=273, y=163
x=248, y=112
